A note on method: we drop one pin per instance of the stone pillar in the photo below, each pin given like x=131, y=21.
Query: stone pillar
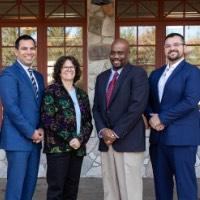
x=101, y=29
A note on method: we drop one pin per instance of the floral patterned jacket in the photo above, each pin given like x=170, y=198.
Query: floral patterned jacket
x=59, y=120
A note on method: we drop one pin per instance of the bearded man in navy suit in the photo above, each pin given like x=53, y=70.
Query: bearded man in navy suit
x=175, y=126
x=119, y=124
x=21, y=90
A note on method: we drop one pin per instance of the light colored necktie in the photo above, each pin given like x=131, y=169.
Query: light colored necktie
x=33, y=82
x=162, y=82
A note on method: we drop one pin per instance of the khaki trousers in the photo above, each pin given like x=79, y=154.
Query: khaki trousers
x=122, y=179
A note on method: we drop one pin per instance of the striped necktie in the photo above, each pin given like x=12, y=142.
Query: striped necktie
x=33, y=82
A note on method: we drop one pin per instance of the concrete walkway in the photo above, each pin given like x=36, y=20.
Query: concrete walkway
x=90, y=189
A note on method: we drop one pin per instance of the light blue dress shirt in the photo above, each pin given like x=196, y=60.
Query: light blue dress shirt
x=72, y=94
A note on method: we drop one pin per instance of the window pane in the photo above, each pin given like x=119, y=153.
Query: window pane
x=146, y=35
x=146, y=55
x=55, y=36
x=32, y=31
x=192, y=34
x=54, y=54
x=8, y=56
x=174, y=29
x=133, y=55
x=129, y=33
x=9, y=36
x=192, y=55
x=76, y=52
x=73, y=36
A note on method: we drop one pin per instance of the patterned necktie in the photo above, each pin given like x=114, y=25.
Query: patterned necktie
x=110, y=88
x=33, y=82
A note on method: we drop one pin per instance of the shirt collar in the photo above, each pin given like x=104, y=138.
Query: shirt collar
x=24, y=66
x=172, y=67
x=118, y=71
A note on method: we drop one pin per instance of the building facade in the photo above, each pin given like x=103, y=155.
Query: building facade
x=86, y=30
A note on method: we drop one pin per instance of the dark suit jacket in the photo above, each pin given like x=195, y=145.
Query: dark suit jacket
x=124, y=115
x=59, y=120
x=178, y=108
x=21, y=108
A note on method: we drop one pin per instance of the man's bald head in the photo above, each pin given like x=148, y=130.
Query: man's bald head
x=119, y=54
x=121, y=41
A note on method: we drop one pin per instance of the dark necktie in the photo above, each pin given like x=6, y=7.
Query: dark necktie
x=110, y=88
x=33, y=82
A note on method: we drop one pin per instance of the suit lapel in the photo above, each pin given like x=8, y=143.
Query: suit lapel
x=104, y=86
x=119, y=82
x=176, y=70
x=26, y=78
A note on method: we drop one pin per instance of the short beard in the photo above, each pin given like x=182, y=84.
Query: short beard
x=174, y=58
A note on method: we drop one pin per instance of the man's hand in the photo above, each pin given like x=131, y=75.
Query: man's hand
x=38, y=135
x=155, y=122
x=108, y=136
x=160, y=127
x=75, y=143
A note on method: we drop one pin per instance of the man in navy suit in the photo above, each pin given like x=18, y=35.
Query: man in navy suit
x=21, y=90
x=121, y=95
x=174, y=119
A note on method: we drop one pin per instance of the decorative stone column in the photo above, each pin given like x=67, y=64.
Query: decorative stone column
x=101, y=29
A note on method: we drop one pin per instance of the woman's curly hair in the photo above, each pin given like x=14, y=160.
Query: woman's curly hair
x=59, y=64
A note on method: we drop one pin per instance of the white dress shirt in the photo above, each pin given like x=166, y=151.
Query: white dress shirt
x=164, y=77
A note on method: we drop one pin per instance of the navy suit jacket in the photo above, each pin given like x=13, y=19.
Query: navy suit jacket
x=124, y=114
x=21, y=108
x=178, y=109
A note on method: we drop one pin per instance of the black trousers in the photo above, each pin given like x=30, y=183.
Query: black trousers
x=63, y=175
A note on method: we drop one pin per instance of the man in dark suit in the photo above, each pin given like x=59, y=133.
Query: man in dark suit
x=121, y=95
x=21, y=91
x=174, y=120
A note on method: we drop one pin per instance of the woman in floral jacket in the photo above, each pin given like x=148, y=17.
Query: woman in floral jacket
x=66, y=119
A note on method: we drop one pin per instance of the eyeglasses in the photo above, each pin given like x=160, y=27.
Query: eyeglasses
x=167, y=46
x=70, y=68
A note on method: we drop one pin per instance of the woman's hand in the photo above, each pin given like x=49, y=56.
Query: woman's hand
x=75, y=143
